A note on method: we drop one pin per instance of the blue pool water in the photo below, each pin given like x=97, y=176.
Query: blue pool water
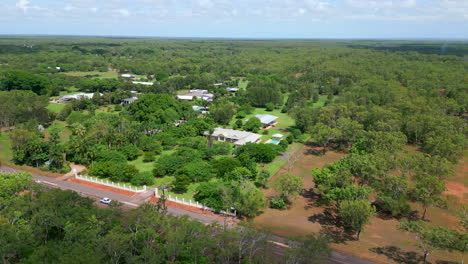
x=273, y=141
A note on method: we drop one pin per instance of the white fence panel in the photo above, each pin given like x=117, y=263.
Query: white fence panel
x=111, y=184
x=193, y=204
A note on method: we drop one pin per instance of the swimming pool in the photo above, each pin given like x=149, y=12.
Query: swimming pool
x=273, y=141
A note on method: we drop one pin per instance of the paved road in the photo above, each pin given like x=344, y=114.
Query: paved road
x=336, y=257
x=98, y=194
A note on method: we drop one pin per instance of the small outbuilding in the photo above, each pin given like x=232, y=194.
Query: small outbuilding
x=267, y=120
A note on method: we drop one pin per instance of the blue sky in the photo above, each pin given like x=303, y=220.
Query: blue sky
x=441, y=19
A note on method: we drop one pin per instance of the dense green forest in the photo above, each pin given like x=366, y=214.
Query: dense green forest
x=368, y=99
x=55, y=226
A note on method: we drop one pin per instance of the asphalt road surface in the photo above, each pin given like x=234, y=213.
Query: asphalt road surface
x=336, y=257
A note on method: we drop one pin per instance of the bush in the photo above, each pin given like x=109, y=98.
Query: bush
x=210, y=194
x=130, y=151
x=269, y=107
x=296, y=133
x=283, y=145
x=118, y=108
x=239, y=123
x=241, y=114
x=143, y=178
x=284, y=109
x=259, y=152
x=198, y=171
x=265, y=132
x=147, y=143
x=103, y=153
x=148, y=157
x=278, y=203
x=253, y=124
x=290, y=139
x=181, y=183
x=263, y=177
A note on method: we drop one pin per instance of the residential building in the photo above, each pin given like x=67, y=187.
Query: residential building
x=201, y=94
x=78, y=96
x=235, y=136
x=267, y=120
x=128, y=101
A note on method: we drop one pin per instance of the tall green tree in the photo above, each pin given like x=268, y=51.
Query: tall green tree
x=356, y=214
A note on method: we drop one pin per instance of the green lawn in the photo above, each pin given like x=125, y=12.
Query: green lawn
x=6, y=154
x=188, y=195
x=142, y=166
x=243, y=84
x=284, y=120
x=108, y=74
x=55, y=108
x=321, y=101
x=273, y=167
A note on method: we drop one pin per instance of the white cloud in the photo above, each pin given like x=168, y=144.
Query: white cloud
x=23, y=5
x=122, y=11
x=94, y=9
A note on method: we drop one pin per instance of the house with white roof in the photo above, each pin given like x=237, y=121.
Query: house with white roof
x=128, y=101
x=201, y=94
x=78, y=96
x=237, y=137
x=267, y=120
x=143, y=83
x=128, y=75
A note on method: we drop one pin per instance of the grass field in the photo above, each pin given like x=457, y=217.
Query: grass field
x=6, y=154
x=103, y=75
x=243, y=84
x=284, y=120
x=55, y=108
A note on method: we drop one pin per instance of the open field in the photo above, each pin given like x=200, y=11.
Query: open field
x=6, y=154
x=55, y=108
x=284, y=120
x=243, y=84
x=108, y=74
x=381, y=241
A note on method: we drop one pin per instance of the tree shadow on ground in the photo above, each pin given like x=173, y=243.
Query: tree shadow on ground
x=398, y=255
x=315, y=152
x=332, y=226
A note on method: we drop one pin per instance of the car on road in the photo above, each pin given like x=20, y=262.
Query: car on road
x=105, y=200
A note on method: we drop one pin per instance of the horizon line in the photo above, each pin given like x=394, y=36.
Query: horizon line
x=236, y=38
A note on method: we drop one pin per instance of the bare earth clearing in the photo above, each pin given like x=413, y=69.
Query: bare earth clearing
x=381, y=241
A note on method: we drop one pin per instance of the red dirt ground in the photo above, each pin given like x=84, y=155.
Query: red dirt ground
x=102, y=187
x=306, y=216
x=196, y=210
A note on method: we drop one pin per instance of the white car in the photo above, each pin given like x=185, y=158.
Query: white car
x=105, y=200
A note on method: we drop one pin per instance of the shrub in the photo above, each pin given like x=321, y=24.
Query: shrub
x=296, y=133
x=263, y=177
x=259, y=152
x=278, y=203
x=210, y=194
x=143, y=178
x=198, y=171
x=269, y=107
x=241, y=114
x=118, y=108
x=130, y=151
x=290, y=139
x=181, y=183
x=253, y=124
x=239, y=123
x=148, y=143
x=148, y=157
x=283, y=145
